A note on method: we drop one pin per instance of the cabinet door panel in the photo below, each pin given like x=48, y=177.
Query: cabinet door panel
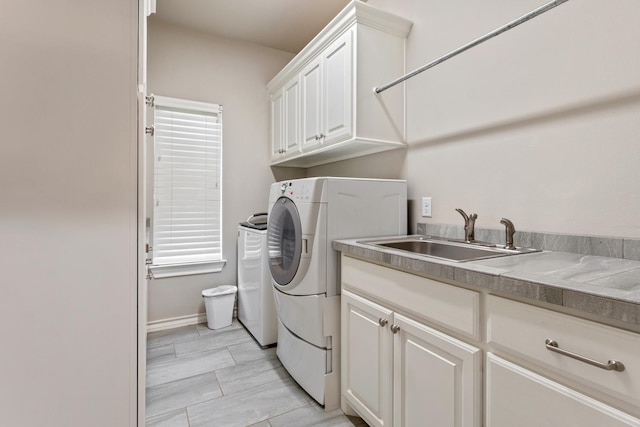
x=311, y=80
x=367, y=358
x=292, y=117
x=519, y=397
x=436, y=378
x=277, y=132
x=338, y=90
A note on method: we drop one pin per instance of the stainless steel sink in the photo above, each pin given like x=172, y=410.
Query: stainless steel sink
x=449, y=250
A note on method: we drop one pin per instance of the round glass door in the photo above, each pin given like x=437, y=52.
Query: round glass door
x=284, y=236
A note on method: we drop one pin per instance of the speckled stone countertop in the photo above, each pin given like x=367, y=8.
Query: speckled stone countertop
x=606, y=287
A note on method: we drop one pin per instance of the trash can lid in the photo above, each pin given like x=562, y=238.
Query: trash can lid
x=220, y=290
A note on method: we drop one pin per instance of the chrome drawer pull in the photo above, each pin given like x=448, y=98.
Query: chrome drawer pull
x=383, y=322
x=395, y=328
x=611, y=365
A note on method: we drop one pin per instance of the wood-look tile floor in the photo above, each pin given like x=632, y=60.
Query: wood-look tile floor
x=200, y=377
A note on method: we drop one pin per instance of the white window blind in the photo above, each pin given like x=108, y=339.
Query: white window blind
x=187, y=212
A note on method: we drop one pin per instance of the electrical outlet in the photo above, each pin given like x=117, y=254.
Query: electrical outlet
x=426, y=206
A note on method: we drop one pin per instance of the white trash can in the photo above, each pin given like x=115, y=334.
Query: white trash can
x=218, y=303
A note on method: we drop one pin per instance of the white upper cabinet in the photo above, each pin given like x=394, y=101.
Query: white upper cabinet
x=327, y=96
x=277, y=121
x=291, y=117
x=337, y=102
x=285, y=121
x=311, y=77
x=337, y=115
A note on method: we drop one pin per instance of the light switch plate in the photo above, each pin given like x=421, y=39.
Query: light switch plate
x=426, y=206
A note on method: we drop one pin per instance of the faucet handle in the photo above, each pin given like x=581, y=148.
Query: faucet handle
x=471, y=237
x=510, y=230
x=469, y=224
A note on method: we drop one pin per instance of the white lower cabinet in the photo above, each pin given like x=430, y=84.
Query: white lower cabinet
x=573, y=383
x=402, y=366
x=519, y=397
x=436, y=378
x=398, y=371
x=367, y=357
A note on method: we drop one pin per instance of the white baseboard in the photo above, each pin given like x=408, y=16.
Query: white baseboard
x=176, y=322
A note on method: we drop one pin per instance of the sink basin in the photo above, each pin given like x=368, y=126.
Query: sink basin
x=446, y=249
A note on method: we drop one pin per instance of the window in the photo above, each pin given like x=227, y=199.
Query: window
x=187, y=190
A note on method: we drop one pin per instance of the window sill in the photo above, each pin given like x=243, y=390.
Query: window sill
x=175, y=270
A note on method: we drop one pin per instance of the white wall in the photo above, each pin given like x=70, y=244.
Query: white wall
x=202, y=67
x=68, y=213
x=540, y=124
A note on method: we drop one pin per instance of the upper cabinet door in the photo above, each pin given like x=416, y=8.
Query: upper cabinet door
x=340, y=117
x=311, y=81
x=338, y=90
x=291, y=125
x=277, y=131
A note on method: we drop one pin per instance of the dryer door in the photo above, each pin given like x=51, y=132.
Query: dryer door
x=284, y=234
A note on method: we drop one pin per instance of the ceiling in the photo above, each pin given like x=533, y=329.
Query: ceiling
x=280, y=24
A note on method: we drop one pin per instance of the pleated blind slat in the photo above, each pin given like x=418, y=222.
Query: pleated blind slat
x=187, y=189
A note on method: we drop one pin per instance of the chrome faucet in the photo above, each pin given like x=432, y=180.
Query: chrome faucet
x=510, y=230
x=469, y=224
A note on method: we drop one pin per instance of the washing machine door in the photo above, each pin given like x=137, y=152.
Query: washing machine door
x=284, y=235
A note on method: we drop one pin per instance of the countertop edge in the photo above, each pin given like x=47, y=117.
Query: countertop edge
x=501, y=281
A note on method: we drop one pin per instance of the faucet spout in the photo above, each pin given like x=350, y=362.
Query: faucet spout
x=469, y=225
x=464, y=215
x=510, y=230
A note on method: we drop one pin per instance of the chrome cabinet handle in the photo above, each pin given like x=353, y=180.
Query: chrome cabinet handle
x=382, y=322
x=395, y=328
x=611, y=365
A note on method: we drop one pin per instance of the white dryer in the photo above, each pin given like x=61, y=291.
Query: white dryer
x=305, y=216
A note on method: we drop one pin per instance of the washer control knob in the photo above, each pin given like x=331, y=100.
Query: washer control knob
x=283, y=187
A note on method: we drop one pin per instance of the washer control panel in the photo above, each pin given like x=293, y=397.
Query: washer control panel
x=301, y=190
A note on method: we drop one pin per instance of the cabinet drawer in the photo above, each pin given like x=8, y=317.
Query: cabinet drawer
x=442, y=304
x=522, y=330
x=512, y=391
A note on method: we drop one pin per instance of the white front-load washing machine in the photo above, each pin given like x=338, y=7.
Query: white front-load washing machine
x=305, y=216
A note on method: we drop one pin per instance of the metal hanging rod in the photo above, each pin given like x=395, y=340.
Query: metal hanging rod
x=497, y=31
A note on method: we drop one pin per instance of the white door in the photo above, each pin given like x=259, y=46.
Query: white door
x=277, y=122
x=311, y=81
x=367, y=358
x=338, y=90
x=519, y=397
x=291, y=116
x=436, y=379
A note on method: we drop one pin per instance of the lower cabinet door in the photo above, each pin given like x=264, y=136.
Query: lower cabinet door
x=519, y=397
x=366, y=359
x=437, y=378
